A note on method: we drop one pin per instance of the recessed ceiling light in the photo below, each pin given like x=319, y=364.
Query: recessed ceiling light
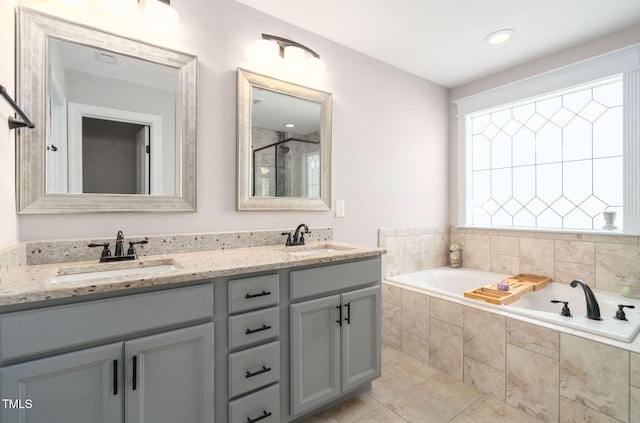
x=499, y=37
x=290, y=125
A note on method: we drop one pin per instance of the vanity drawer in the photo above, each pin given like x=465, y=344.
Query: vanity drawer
x=319, y=280
x=54, y=328
x=262, y=406
x=252, y=293
x=253, y=368
x=256, y=326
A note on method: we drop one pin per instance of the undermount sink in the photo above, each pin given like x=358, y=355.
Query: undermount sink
x=317, y=249
x=313, y=252
x=102, y=270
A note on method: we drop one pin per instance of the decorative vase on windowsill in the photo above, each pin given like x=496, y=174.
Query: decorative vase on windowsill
x=609, y=220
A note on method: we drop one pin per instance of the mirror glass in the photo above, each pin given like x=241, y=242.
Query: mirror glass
x=112, y=122
x=115, y=121
x=284, y=145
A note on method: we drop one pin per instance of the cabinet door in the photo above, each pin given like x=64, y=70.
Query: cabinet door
x=170, y=377
x=315, y=353
x=361, y=342
x=83, y=386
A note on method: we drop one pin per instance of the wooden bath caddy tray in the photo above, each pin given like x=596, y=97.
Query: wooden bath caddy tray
x=518, y=285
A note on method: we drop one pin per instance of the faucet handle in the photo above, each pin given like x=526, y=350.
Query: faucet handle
x=565, y=309
x=620, y=315
x=288, y=234
x=105, y=250
x=132, y=250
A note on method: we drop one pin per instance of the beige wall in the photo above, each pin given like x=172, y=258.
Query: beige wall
x=390, y=141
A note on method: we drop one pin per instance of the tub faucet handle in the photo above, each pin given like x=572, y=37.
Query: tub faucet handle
x=620, y=315
x=565, y=308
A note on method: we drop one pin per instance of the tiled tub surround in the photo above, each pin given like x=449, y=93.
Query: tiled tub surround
x=413, y=249
x=455, y=282
x=551, y=373
x=601, y=260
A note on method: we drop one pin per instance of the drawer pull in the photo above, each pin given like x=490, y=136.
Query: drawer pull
x=115, y=377
x=250, y=331
x=264, y=415
x=258, y=372
x=262, y=294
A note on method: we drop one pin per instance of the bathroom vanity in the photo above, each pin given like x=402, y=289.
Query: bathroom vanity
x=240, y=335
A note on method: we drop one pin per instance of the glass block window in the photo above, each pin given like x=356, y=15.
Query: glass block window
x=553, y=161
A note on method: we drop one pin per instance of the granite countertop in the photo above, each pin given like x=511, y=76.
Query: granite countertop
x=32, y=283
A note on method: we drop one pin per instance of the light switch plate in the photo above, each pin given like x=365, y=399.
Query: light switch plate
x=339, y=208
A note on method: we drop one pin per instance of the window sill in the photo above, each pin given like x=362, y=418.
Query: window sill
x=506, y=230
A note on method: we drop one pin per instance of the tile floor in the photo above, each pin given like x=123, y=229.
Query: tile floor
x=411, y=391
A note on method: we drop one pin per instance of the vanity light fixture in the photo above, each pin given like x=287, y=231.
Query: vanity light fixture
x=297, y=58
x=499, y=37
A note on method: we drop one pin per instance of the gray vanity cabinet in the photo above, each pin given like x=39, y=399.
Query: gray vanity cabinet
x=145, y=372
x=169, y=376
x=361, y=337
x=315, y=348
x=335, y=339
x=74, y=387
x=159, y=378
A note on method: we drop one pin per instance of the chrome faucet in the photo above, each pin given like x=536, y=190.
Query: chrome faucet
x=298, y=237
x=593, y=309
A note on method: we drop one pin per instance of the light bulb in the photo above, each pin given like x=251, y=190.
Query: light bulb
x=295, y=58
x=160, y=17
x=266, y=52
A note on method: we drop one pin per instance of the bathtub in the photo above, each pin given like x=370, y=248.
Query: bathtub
x=537, y=305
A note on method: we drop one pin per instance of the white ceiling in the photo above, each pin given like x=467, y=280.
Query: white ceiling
x=442, y=40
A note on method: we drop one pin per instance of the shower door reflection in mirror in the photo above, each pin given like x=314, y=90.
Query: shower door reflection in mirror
x=285, y=142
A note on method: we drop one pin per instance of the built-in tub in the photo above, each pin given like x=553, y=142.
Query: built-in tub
x=537, y=305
